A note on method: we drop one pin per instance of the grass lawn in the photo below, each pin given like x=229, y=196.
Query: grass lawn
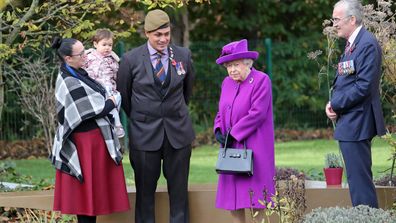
x=303, y=155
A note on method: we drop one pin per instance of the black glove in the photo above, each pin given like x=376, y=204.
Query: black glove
x=219, y=137
x=230, y=140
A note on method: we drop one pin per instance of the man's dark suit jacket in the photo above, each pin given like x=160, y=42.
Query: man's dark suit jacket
x=152, y=113
x=356, y=96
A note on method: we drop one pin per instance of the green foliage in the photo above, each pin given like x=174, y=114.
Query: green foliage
x=256, y=19
x=207, y=86
x=27, y=215
x=171, y=3
x=7, y=166
x=42, y=216
x=16, y=123
x=6, y=51
x=298, y=100
x=306, y=156
x=361, y=214
x=8, y=173
x=295, y=76
x=391, y=140
x=333, y=160
x=33, y=23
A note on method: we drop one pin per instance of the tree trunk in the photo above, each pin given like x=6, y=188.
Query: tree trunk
x=1, y=94
x=1, y=86
x=186, y=30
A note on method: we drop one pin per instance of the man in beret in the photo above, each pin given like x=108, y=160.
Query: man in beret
x=155, y=81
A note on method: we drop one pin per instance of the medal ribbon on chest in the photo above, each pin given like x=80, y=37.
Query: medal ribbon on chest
x=346, y=67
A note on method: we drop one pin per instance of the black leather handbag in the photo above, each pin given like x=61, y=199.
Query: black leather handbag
x=235, y=161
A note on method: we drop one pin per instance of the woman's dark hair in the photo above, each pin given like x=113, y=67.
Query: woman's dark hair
x=63, y=47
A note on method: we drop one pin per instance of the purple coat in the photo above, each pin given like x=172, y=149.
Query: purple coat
x=246, y=108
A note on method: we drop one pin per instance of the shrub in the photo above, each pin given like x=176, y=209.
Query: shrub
x=284, y=173
x=288, y=202
x=27, y=215
x=361, y=214
x=385, y=181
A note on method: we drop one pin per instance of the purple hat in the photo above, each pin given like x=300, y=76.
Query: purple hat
x=235, y=51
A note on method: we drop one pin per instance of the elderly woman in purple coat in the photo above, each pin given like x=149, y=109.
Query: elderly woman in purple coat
x=245, y=109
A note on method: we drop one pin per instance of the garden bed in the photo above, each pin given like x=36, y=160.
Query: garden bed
x=202, y=201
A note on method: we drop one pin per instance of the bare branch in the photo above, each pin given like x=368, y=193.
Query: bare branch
x=51, y=12
x=46, y=32
x=33, y=82
x=17, y=27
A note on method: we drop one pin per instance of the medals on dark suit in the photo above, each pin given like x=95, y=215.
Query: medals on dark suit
x=178, y=65
x=346, y=67
x=179, y=68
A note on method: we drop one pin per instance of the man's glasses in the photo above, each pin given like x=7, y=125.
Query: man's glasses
x=337, y=20
x=79, y=54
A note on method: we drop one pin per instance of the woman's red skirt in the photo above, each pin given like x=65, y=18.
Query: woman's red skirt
x=103, y=190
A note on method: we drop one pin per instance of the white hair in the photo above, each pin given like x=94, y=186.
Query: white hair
x=352, y=8
x=248, y=62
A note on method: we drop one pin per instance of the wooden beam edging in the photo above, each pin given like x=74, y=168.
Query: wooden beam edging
x=201, y=200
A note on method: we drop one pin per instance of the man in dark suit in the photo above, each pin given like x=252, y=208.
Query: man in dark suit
x=155, y=81
x=355, y=103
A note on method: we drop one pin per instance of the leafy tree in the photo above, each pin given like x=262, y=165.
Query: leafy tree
x=257, y=19
x=30, y=25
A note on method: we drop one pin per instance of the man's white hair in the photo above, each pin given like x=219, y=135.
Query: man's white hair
x=352, y=8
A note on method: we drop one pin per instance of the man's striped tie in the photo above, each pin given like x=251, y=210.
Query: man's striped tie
x=347, y=47
x=159, y=68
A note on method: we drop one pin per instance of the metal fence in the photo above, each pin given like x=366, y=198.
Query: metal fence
x=17, y=125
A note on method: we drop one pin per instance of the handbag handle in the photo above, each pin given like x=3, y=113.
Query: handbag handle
x=225, y=145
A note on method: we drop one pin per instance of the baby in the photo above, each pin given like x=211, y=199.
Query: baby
x=102, y=66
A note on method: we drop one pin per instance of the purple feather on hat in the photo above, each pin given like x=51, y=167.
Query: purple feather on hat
x=235, y=51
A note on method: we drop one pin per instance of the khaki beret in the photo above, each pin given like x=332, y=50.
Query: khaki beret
x=155, y=19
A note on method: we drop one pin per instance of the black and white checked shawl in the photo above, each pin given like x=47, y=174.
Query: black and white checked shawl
x=76, y=102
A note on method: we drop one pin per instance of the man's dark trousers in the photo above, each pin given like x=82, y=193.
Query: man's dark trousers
x=147, y=170
x=357, y=158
